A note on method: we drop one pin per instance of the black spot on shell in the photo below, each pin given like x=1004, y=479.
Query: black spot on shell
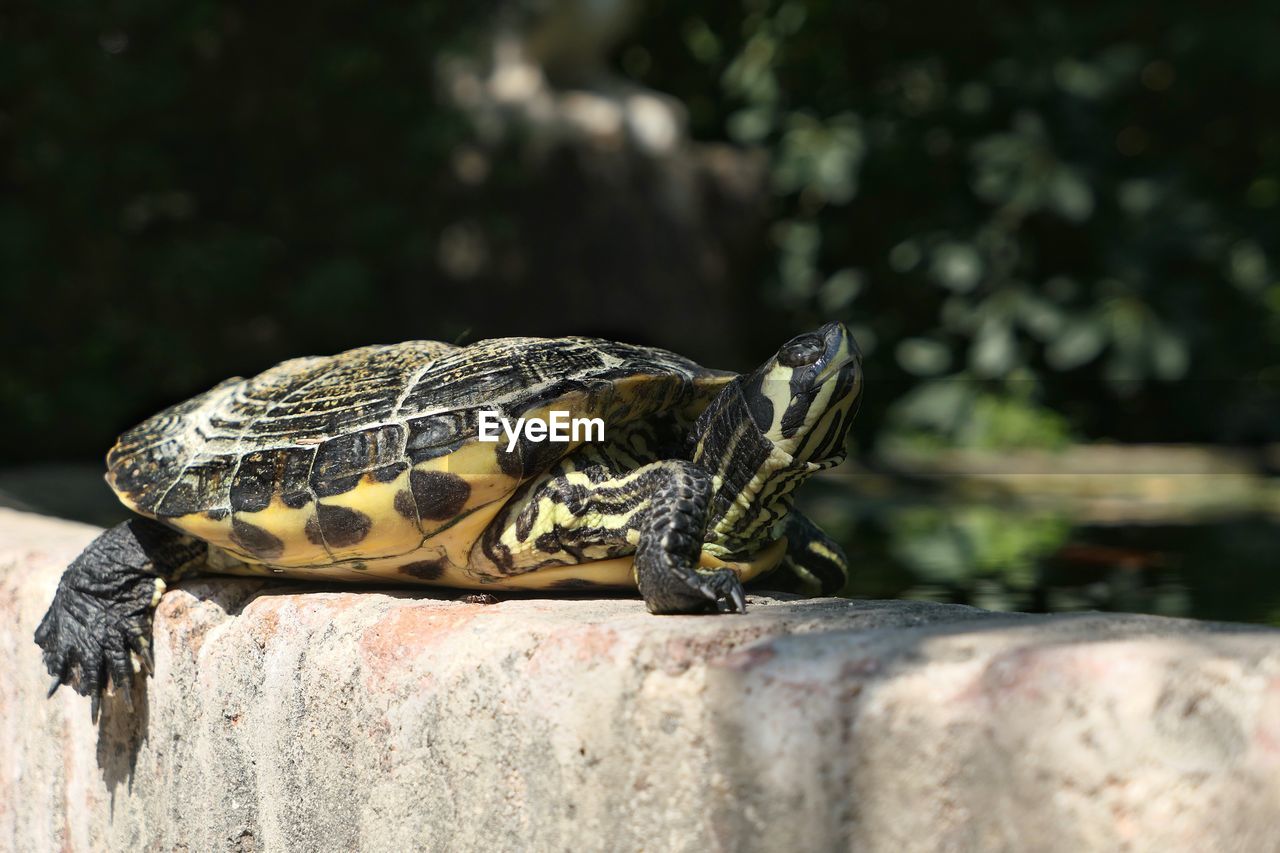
x=255, y=540
x=439, y=495
x=510, y=463
x=405, y=506
x=548, y=543
x=427, y=570
x=342, y=526
x=297, y=500
x=217, y=514
x=312, y=531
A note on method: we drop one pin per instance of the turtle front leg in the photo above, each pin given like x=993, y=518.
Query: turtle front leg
x=100, y=618
x=657, y=513
x=671, y=535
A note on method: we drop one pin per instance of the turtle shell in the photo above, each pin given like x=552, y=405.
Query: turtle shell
x=369, y=461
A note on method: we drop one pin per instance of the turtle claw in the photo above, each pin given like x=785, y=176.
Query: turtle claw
x=142, y=654
x=723, y=589
x=59, y=672
x=699, y=591
x=735, y=601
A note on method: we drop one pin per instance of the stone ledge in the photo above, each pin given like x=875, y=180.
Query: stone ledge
x=291, y=718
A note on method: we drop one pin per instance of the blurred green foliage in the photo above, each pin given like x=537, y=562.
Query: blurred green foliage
x=984, y=550
x=1044, y=220
x=1003, y=558
x=1040, y=217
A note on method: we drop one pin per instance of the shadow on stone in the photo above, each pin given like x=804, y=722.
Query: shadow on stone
x=121, y=733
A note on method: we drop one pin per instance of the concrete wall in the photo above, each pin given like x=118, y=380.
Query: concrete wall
x=283, y=717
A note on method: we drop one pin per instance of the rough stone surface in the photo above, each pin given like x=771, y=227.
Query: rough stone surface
x=293, y=718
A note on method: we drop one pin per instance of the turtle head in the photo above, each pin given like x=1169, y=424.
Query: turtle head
x=803, y=399
x=770, y=429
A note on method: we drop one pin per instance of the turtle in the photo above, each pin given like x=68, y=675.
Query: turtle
x=376, y=465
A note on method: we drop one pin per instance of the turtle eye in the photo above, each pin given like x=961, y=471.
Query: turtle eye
x=803, y=350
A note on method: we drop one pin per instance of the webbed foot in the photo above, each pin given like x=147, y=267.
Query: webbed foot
x=97, y=631
x=93, y=632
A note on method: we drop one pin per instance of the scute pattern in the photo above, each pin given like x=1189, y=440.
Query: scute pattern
x=262, y=460
x=254, y=481
x=341, y=460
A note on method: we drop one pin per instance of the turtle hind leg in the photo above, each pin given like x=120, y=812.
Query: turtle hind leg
x=814, y=563
x=101, y=613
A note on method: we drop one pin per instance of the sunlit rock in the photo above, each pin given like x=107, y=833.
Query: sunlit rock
x=283, y=717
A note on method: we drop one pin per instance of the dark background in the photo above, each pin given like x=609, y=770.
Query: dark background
x=1050, y=224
